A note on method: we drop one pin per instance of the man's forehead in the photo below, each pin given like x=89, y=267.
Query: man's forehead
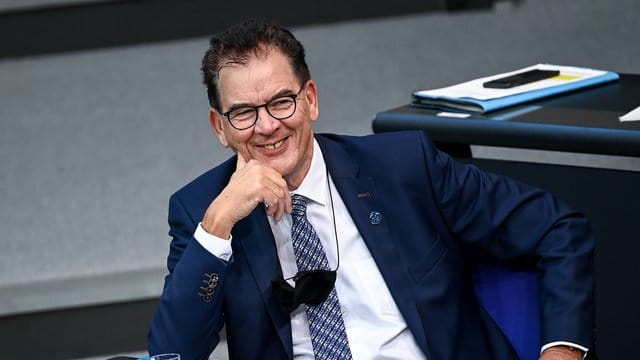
x=264, y=71
x=261, y=53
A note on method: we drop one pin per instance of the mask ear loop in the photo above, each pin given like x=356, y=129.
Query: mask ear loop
x=314, y=286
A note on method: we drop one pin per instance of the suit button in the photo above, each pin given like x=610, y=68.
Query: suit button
x=207, y=291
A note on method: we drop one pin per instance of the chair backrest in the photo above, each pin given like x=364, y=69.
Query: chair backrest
x=511, y=298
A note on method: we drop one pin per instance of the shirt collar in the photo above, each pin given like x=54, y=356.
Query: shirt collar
x=311, y=187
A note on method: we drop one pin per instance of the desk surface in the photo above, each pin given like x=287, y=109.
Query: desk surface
x=584, y=121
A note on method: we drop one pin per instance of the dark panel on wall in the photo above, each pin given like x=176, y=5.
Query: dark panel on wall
x=94, y=25
x=78, y=332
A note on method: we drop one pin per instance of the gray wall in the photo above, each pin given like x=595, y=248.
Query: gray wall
x=94, y=142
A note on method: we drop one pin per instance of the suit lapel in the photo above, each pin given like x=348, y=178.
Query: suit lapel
x=362, y=199
x=258, y=244
x=253, y=237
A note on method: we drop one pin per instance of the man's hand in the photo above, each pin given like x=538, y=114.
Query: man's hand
x=251, y=184
x=561, y=352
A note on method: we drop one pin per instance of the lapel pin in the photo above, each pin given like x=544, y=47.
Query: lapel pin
x=375, y=217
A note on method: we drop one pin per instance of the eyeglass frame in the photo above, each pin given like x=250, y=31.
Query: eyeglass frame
x=255, y=108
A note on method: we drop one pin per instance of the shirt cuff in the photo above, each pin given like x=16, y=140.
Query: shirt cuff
x=565, y=343
x=216, y=246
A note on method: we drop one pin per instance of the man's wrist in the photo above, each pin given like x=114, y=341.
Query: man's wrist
x=217, y=226
x=568, y=352
x=218, y=247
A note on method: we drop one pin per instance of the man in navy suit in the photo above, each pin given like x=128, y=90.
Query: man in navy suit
x=394, y=217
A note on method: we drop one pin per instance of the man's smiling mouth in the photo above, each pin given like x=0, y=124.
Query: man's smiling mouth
x=275, y=145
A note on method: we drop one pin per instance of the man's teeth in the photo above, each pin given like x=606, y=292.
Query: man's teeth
x=274, y=146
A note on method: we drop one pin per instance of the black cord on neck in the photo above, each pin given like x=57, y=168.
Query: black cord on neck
x=333, y=217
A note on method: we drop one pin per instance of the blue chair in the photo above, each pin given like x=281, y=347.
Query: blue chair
x=511, y=298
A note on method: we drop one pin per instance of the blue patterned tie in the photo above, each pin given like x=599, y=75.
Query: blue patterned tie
x=326, y=326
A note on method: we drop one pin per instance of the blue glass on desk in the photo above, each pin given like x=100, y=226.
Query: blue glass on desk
x=162, y=357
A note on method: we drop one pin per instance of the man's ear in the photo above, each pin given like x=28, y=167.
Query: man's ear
x=215, y=120
x=311, y=95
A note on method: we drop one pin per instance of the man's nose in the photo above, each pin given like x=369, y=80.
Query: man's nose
x=266, y=124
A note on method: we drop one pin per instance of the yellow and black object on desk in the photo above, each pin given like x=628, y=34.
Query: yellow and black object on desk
x=476, y=97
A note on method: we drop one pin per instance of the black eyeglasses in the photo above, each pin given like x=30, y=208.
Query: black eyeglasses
x=280, y=108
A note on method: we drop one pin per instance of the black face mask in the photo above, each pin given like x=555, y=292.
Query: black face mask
x=312, y=288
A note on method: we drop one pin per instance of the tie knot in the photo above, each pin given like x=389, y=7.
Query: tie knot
x=298, y=205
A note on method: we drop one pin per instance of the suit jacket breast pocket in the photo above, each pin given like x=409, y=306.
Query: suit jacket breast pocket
x=428, y=261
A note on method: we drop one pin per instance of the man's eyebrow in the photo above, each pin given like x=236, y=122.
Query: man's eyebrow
x=281, y=93
x=238, y=106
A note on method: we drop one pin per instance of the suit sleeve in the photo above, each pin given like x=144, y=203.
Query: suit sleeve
x=512, y=221
x=189, y=316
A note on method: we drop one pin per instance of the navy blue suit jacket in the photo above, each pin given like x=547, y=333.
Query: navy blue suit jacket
x=434, y=211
